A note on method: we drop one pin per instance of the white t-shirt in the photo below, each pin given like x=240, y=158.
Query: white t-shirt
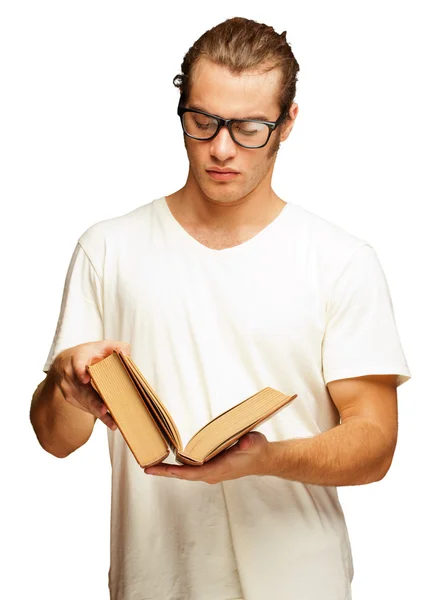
x=300, y=304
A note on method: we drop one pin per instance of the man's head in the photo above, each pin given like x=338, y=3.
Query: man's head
x=239, y=69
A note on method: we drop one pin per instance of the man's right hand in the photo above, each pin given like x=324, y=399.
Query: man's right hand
x=72, y=378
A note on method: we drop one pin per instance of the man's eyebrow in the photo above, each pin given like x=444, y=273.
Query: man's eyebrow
x=259, y=117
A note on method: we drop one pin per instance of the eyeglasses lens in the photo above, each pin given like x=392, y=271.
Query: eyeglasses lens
x=246, y=133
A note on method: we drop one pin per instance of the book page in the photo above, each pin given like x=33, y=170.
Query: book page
x=235, y=422
x=111, y=381
x=154, y=404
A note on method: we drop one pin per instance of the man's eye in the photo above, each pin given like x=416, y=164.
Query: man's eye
x=247, y=129
x=202, y=125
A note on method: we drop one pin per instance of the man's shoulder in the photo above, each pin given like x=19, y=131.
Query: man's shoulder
x=119, y=229
x=322, y=232
x=326, y=244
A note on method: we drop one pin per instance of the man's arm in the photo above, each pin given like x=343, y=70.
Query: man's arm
x=357, y=451
x=65, y=406
x=60, y=427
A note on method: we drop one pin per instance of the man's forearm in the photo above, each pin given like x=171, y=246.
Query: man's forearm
x=60, y=427
x=352, y=453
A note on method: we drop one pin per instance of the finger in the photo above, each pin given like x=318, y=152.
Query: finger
x=125, y=348
x=111, y=345
x=78, y=364
x=163, y=472
x=181, y=472
x=85, y=357
x=85, y=398
x=245, y=442
x=98, y=410
x=95, y=407
x=108, y=420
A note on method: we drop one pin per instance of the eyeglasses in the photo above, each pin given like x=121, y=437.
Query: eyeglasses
x=248, y=133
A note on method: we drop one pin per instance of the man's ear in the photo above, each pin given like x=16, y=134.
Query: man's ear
x=289, y=124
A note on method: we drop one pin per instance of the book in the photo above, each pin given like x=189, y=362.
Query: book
x=150, y=431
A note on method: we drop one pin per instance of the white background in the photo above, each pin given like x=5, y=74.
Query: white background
x=88, y=131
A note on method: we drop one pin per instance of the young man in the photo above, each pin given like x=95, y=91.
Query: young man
x=222, y=288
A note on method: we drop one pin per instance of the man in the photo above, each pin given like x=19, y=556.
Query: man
x=219, y=289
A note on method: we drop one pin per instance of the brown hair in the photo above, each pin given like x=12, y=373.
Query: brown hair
x=242, y=44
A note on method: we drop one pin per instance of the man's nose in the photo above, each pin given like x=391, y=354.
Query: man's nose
x=222, y=146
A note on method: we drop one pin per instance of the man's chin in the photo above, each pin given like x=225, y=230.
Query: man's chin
x=221, y=195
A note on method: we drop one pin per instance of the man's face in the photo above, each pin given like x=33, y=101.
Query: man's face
x=215, y=90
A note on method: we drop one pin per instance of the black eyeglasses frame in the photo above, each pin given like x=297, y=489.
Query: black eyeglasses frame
x=227, y=123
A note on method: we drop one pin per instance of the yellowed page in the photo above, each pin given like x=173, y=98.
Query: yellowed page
x=119, y=393
x=233, y=423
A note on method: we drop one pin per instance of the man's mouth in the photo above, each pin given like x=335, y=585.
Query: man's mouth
x=222, y=175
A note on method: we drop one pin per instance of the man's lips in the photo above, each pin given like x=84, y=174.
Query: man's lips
x=222, y=175
x=217, y=170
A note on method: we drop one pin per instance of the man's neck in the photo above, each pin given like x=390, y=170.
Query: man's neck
x=249, y=213
x=217, y=226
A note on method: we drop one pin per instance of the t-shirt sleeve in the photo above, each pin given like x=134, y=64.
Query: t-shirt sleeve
x=81, y=313
x=361, y=336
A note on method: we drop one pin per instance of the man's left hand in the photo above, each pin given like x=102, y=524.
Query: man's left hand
x=249, y=456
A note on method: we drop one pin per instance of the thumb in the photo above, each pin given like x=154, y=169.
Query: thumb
x=247, y=441
x=84, y=376
x=124, y=347
x=79, y=365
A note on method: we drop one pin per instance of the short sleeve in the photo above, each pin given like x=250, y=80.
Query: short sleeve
x=81, y=313
x=361, y=336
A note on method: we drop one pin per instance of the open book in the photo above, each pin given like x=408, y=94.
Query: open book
x=149, y=429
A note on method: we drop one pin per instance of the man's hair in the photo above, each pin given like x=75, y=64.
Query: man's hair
x=240, y=45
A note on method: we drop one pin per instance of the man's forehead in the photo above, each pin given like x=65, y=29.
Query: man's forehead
x=251, y=95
